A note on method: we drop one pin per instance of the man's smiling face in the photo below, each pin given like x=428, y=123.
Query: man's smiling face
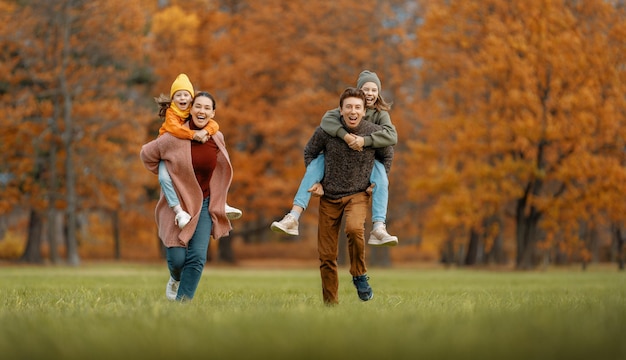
x=353, y=110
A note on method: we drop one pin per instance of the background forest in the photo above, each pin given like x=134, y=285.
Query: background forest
x=511, y=118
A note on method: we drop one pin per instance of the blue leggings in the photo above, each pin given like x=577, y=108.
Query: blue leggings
x=167, y=186
x=380, y=195
x=186, y=264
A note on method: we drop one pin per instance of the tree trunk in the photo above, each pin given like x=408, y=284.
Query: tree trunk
x=225, y=250
x=473, y=249
x=594, y=245
x=55, y=234
x=3, y=227
x=496, y=253
x=32, y=252
x=526, y=233
x=379, y=256
x=526, y=252
x=52, y=244
x=68, y=141
x=447, y=253
x=620, y=262
x=115, y=220
x=619, y=246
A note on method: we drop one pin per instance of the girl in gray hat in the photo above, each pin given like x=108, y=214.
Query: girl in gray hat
x=378, y=113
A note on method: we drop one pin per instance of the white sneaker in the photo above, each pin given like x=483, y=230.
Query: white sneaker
x=233, y=213
x=171, y=290
x=288, y=225
x=380, y=237
x=182, y=219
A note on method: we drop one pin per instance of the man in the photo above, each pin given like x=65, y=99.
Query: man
x=343, y=191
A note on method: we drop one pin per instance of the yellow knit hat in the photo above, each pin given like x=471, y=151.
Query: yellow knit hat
x=181, y=83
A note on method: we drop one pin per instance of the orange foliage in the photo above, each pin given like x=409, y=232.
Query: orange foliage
x=528, y=110
x=70, y=89
x=502, y=108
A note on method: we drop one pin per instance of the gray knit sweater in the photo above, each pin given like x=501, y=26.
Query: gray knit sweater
x=346, y=171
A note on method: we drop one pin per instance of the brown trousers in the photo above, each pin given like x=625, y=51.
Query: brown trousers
x=354, y=207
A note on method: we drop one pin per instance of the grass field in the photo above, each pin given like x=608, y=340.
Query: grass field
x=120, y=312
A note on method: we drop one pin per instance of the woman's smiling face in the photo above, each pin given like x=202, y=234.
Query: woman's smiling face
x=202, y=110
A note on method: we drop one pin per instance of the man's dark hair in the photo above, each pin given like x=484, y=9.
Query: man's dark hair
x=351, y=92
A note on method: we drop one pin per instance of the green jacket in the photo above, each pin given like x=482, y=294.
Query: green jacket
x=388, y=136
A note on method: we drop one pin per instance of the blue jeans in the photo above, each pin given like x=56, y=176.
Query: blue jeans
x=380, y=195
x=186, y=264
x=313, y=174
x=167, y=186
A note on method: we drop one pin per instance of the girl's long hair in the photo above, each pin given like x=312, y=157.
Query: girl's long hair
x=381, y=104
x=164, y=103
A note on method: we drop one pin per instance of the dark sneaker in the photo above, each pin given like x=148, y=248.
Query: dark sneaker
x=363, y=287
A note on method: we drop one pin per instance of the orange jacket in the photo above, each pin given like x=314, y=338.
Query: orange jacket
x=174, y=125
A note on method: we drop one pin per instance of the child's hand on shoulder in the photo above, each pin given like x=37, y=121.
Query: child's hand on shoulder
x=201, y=136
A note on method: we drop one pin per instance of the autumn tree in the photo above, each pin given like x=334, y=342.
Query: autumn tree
x=73, y=66
x=527, y=119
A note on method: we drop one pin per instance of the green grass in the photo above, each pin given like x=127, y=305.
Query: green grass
x=120, y=312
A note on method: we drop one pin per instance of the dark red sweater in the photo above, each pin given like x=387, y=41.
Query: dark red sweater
x=203, y=159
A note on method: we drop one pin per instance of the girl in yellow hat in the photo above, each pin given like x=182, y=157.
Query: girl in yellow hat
x=175, y=111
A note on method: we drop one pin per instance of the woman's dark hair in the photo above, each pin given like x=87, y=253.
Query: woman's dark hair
x=205, y=94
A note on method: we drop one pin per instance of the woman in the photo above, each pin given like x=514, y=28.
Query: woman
x=202, y=172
